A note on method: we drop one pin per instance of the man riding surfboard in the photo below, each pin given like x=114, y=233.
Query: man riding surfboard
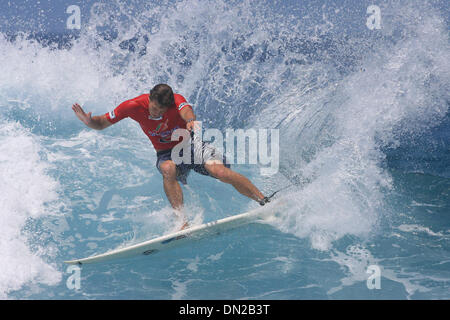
x=159, y=114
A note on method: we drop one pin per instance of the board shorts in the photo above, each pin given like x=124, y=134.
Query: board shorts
x=183, y=169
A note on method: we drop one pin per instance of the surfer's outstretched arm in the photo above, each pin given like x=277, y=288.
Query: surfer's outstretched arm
x=93, y=122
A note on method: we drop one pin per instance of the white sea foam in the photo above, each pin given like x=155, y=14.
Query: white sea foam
x=335, y=140
x=414, y=228
x=25, y=193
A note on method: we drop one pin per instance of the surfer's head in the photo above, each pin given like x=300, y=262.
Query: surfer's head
x=161, y=98
x=162, y=94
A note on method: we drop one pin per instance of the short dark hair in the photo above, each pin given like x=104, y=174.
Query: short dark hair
x=163, y=95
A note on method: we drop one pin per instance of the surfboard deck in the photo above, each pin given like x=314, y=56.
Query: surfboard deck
x=175, y=239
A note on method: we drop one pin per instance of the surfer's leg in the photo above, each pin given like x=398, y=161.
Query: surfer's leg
x=237, y=180
x=171, y=186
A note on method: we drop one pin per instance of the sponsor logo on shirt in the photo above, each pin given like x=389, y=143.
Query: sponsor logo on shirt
x=112, y=115
x=182, y=105
x=162, y=126
x=165, y=135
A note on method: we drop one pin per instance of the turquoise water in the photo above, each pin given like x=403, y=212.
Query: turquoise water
x=363, y=118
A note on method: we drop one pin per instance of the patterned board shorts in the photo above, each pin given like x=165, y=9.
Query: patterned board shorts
x=208, y=152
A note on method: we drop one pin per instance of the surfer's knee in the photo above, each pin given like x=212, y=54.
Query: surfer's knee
x=219, y=171
x=168, y=170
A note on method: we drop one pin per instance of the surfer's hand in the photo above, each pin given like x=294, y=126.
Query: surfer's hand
x=193, y=126
x=86, y=118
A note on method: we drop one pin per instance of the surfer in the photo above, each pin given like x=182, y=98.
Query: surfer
x=159, y=114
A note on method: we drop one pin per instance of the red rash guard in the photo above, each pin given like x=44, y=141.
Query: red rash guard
x=159, y=131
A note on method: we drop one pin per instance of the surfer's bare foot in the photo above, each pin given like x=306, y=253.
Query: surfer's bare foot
x=185, y=225
x=263, y=201
x=181, y=216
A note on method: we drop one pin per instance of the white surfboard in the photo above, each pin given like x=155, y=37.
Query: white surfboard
x=193, y=233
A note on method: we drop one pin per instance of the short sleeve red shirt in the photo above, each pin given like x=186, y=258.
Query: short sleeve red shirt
x=159, y=131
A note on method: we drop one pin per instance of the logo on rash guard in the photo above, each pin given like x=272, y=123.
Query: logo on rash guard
x=112, y=115
x=165, y=136
x=162, y=126
x=182, y=105
x=162, y=131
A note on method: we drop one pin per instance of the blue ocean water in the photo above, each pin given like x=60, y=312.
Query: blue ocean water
x=364, y=124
